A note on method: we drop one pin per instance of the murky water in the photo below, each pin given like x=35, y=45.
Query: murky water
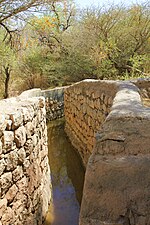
x=67, y=175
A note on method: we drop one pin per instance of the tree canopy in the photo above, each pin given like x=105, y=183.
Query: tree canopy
x=58, y=44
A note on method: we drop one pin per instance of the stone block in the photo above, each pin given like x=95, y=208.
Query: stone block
x=17, y=119
x=35, y=140
x=11, y=159
x=17, y=173
x=9, y=124
x=28, y=113
x=20, y=136
x=21, y=155
x=11, y=193
x=29, y=129
x=1, y=147
x=41, y=102
x=121, y=190
x=2, y=166
x=3, y=206
x=26, y=164
x=6, y=181
x=3, y=124
x=23, y=185
x=8, y=217
x=8, y=141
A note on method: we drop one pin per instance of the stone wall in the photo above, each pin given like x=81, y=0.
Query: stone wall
x=117, y=180
x=54, y=101
x=87, y=105
x=108, y=124
x=24, y=169
x=118, y=172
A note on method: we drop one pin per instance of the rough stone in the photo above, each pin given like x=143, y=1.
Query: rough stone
x=20, y=136
x=2, y=166
x=3, y=206
x=11, y=193
x=23, y=144
x=9, y=124
x=21, y=155
x=5, y=181
x=17, y=173
x=22, y=184
x=118, y=192
x=8, y=140
x=3, y=124
x=116, y=127
x=11, y=159
x=29, y=129
x=1, y=147
x=17, y=119
x=8, y=217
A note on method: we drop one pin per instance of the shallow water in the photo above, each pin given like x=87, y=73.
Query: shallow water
x=67, y=174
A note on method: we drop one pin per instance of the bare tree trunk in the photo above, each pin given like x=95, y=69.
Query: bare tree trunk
x=7, y=78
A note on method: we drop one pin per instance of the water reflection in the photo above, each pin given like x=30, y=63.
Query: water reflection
x=67, y=176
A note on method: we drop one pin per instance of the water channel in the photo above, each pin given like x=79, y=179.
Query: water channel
x=67, y=175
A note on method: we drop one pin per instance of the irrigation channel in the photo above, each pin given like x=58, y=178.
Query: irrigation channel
x=67, y=175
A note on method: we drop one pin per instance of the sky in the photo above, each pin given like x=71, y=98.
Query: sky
x=87, y=3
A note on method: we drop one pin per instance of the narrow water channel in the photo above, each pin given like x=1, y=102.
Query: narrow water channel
x=67, y=174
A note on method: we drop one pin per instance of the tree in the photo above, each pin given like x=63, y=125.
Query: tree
x=11, y=13
x=43, y=43
x=118, y=35
x=7, y=64
x=14, y=10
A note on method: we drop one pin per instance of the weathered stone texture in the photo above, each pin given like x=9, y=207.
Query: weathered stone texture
x=87, y=104
x=117, y=181
x=24, y=168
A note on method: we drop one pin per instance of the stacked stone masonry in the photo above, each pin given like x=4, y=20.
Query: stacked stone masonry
x=117, y=180
x=87, y=105
x=54, y=99
x=109, y=124
x=24, y=169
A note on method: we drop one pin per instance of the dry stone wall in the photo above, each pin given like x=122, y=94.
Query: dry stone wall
x=87, y=104
x=117, y=180
x=54, y=99
x=108, y=124
x=118, y=172
x=24, y=170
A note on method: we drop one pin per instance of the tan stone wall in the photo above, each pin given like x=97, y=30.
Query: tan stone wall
x=54, y=99
x=24, y=169
x=117, y=181
x=144, y=86
x=87, y=105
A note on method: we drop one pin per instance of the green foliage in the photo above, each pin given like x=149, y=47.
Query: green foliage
x=60, y=47
x=8, y=63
